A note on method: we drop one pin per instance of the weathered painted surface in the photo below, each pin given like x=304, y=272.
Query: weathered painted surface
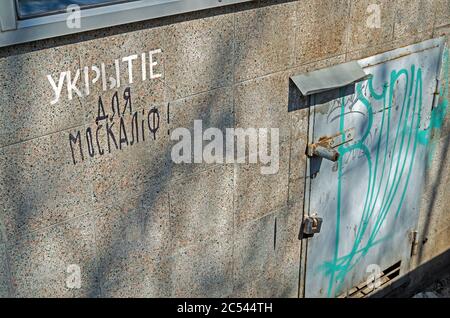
x=370, y=198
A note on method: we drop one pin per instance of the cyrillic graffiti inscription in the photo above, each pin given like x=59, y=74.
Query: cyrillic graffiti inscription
x=116, y=127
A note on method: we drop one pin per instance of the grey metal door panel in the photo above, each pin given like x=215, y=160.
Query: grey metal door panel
x=369, y=198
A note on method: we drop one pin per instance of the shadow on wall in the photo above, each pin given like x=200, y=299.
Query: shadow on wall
x=435, y=201
x=116, y=251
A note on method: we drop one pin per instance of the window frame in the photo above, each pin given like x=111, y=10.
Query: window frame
x=14, y=31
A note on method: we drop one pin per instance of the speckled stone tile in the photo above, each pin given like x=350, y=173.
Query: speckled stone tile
x=2, y=231
x=124, y=167
x=260, y=288
x=144, y=284
x=442, y=12
x=298, y=158
x=256, y=194
x=322, y=29
x=310, y=67
x=265, y=40
x=132, y=237
x=40, y=186
x=299, y=141
x=119, y=241
x=40, y=262
x=299, y=125
x=364, y=28
x=144, y=93
x=4, y=276
x=284, y=285
x=155, y=209
x=199, y=55
x=263, y=103
x=214, y=109
x=202, y=206
x=297, y=193
x=413, y=17
x=435, y=199
x=122, y=173
x=26, y=93
x=254, y=251
x=203, y=270
x=287, y=243
x=267, y=254
x=389, y=46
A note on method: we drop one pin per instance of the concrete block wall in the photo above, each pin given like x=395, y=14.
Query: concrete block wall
x=135, y=223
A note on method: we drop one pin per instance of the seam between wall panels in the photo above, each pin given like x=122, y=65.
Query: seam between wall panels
x=8, y=245
x=303, y=243
x=234, y=164
x=289, y=196
x=394, y=22
x=293, y=68
x=307, y=201
x=8, y=269
x=435, y=9
x=95, y=212
x=348, y=28
x=41, y=136
x=298, y=245
x=49, y=227
x=6, y=242
x=85, y=123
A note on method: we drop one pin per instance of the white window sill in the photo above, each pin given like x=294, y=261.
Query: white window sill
x=21, y=31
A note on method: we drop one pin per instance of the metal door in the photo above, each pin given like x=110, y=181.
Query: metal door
x=369, y=198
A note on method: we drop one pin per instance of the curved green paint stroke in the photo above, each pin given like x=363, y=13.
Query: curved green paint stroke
x=387, y=201
x=394, y=77
x=405, y=131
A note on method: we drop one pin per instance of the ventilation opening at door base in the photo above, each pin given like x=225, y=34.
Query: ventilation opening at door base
x=366, y=288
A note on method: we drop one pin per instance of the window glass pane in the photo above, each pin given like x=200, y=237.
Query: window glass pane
x=33, y=8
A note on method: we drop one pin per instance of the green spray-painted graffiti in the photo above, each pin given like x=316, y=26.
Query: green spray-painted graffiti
x=431, y=135
x=388, y=175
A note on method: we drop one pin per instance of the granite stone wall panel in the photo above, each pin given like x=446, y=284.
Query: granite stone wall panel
x=265, y=40
x=199, y=55
x=322, y=29
x=258, y=194
x=26, y=93
x=413, y=17
x=4, y=273
x=201, y=207
x=40, y=186
x=372, y=23
x=40, y=262
x=204, y=269
x=442, y=13
x=262, y=103
x=214, y=109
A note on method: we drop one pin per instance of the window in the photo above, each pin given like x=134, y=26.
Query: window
x=29, y=20
x=34, y=8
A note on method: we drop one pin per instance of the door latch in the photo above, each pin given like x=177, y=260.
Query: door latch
x=311, y=225
x=326, y=146
x=322, y=149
